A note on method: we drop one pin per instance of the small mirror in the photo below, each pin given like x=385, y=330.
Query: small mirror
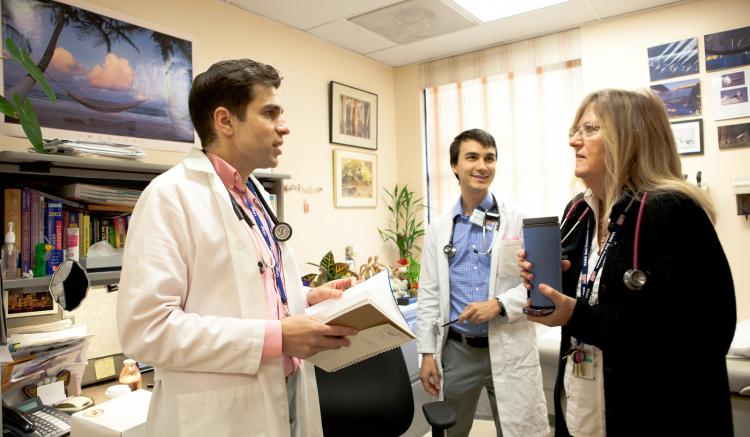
x=69, y=285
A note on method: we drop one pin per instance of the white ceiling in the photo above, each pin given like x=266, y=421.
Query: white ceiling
x=331, y=20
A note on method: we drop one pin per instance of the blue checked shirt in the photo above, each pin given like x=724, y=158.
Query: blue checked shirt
x=469, y=272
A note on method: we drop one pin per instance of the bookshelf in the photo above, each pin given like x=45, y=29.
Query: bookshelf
x=45, y=172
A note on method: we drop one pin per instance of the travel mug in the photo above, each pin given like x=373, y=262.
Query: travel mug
x=541, y=240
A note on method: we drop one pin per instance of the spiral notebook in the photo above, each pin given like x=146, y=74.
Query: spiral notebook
x=371, y=309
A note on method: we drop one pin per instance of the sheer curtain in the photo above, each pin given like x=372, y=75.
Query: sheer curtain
x=526, y=106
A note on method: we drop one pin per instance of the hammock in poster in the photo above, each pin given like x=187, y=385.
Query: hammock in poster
x=102, y=106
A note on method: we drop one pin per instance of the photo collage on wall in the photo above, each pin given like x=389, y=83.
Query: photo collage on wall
x=682, y=98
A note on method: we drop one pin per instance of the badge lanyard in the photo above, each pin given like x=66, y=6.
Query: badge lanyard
x=276, y=264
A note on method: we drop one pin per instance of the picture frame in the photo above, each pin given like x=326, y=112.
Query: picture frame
x=677, y=58
x=355, y=179
x=688, y=136
x=681, y=98
x=28, y=303
x=727, y=49
x=353, y=116
x=730, y=95
x=734, y=136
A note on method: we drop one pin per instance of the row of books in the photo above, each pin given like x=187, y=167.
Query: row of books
x=68, y=227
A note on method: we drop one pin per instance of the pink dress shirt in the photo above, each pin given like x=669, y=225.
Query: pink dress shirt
x=230, y=177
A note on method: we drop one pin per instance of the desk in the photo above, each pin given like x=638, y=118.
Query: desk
x=96, y=391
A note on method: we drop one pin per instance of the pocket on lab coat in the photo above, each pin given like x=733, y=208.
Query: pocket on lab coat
x=242, y=406
x=508, y=262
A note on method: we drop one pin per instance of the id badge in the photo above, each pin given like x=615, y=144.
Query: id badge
x=477, y=217
x=587, y=365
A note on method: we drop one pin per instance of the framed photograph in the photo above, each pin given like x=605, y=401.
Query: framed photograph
x=117, y=78
x=730, y=95
x=727, y=49
x=734, y=135
x=678, y=58
x=355, y=179
x=353, y=115
x=28, y=303
x=681, y=98
x=688, y=135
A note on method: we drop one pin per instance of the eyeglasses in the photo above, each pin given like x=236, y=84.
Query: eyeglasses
x=586, y=131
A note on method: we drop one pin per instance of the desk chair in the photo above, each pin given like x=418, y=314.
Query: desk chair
x=370, y=398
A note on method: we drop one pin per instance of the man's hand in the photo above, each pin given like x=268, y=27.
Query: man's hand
x=480, y=312
x=564, y=306
x=429, y=375
x=333, y=289
x=304, y=336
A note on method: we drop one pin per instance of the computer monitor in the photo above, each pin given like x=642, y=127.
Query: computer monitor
x=116, y=78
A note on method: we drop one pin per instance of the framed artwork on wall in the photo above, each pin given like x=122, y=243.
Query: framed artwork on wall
x=688, y=135
x=681, y=98
x=116, y=78
x=731, y=95
x=353, y=116
x=354, y=179
x=678, y=58
x=734, y=136
x=727, y=49
x=31, y=303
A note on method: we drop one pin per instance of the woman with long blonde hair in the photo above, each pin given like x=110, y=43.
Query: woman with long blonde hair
x=647, y=306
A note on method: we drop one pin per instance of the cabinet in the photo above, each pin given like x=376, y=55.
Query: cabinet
x=46, y=172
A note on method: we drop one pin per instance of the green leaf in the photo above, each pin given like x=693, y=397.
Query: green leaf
x=34, y=71
x=7, y=108
x=328, y=265
x=342, y=270
x=309, y=278
x=30, y=125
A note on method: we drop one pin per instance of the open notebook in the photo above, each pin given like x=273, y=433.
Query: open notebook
x=369, y=307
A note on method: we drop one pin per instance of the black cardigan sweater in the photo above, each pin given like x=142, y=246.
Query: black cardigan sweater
x=663, y=346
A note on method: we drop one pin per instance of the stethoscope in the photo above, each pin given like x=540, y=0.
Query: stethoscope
x=492, y=215
x=281, y=231
x=634, y=278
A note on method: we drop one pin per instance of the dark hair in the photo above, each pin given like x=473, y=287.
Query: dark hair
x=229, y=84
x=478, y=135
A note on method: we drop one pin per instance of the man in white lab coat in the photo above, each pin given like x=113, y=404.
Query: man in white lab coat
x=471, y=330
x=208, y=296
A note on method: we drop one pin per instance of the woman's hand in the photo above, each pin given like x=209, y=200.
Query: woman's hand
x=333, y=289
x=564, y=306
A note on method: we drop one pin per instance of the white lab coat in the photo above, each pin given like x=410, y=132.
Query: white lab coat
x=516, y=373
x=192, y=304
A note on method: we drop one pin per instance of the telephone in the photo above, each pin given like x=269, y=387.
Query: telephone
x=34, y=419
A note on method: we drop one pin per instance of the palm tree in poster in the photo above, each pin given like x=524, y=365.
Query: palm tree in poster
x=168, y=46
x=87, y=25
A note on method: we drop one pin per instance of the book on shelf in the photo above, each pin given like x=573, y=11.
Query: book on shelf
x=99, y=194
x=370, y=308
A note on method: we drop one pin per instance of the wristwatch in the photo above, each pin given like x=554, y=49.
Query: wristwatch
x=502, y=307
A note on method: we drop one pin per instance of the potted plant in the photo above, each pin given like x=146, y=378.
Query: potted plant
x=404, y=229
x=20, y=108
x=328, y=270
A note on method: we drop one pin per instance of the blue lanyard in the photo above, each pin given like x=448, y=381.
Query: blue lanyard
x=276, y=265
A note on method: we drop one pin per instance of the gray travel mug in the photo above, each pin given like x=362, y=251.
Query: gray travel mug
x=541, y=240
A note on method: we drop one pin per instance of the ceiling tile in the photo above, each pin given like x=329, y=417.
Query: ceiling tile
x=414, y=20
x=608, y=8
x=349, y=8
x=543, y=21
x=348, y=35
x=397, y=56
x=295, y=13
x=457, y=42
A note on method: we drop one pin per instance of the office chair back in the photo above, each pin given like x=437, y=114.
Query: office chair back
x=370, y=398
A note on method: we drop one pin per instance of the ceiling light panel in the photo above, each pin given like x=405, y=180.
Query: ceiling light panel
x=494, y=10
x=413, y=20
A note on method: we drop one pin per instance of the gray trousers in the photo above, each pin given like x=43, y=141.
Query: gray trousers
x=466, y=370
x=291, y=393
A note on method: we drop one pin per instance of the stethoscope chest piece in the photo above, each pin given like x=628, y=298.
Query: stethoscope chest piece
x=449, y=250
x=282, y=231
x=634, y=279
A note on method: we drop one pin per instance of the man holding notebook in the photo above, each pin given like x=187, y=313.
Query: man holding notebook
x=471, y=330
x=210, y=293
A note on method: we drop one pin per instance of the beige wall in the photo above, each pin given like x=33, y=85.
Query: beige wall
x=220, y=31
x=614, y=55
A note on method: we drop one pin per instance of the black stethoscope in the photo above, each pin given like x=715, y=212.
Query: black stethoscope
x=634, y=278
x=492, y=215
x=281, y=231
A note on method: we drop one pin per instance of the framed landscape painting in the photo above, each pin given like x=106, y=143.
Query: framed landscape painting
x=354, y=179
x=353, y=116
